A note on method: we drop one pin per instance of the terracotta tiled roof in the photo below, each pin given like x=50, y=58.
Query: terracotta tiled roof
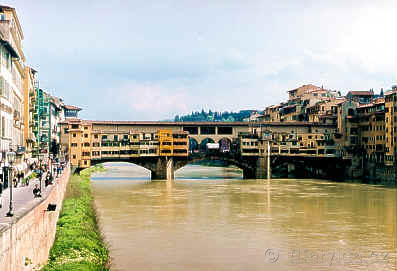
x=380, y=101
x=365, y=105
x=167, y=123
x=361, y=93
x=390, y=92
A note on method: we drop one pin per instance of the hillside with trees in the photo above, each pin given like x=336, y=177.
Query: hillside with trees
x=214, y=116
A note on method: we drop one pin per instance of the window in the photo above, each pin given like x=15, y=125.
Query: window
x=104, y=137
x=74, y=135
x=1, y=86
x=3, y=127
x=74, y=144
x=96, y=136
x=75, y=126
x=74, y=156
x=116, y=137
x=86, y=135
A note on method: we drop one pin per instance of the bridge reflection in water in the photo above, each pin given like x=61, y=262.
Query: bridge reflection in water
x=195, y=223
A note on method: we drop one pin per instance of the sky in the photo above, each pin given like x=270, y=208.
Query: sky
x=151, y=60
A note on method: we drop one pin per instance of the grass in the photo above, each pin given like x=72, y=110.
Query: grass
x=78, y=244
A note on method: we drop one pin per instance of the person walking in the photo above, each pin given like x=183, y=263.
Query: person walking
x=36, y=191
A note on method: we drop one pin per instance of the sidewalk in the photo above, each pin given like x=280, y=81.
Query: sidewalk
x=23, y=199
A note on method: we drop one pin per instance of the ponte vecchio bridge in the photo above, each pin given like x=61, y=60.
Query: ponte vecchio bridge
x=163, y=147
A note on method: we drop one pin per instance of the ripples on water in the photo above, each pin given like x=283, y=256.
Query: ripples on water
x=211, y=219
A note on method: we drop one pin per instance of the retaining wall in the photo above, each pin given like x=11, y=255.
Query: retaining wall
x=25, y=242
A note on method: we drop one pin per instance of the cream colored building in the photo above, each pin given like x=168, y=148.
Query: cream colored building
x=12, y=75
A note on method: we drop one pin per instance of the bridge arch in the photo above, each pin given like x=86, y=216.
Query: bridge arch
x=153, y=164
x=247, y=165
x=203, y=143
x=193, y=145
x=225, y=145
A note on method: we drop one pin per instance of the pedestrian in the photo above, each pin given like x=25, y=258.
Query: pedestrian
x=36, y=191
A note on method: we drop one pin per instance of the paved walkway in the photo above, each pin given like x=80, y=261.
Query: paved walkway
x=23, y=199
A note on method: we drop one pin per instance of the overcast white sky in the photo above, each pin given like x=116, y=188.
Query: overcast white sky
x=150, y=60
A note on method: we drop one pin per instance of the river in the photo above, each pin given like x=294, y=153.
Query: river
x=211, y=219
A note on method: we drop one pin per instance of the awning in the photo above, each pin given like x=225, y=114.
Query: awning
x=10, y=49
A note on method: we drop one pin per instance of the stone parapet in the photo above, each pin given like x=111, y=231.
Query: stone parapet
x=26, y=240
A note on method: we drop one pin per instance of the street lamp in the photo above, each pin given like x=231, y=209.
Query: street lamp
x=3, y=179
x=40, y=170
x=51, y=160
x=11, y=159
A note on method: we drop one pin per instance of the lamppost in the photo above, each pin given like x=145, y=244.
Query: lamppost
x=41, y=171
x=2, y=185
x=11, y=159
x=51, y=160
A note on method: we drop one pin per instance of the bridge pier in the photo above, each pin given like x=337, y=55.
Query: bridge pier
x=164, y=169
x=291, y=170
x=258, y=169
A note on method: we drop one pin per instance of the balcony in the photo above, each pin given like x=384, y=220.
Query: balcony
x=17, y=115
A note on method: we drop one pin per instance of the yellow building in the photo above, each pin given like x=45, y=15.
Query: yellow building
x=180, y=143
x=391, y=127
x=86, y=144
x=29, y=95
x=371, y=118
x=166, y=143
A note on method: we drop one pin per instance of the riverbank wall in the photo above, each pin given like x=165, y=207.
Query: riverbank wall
x=26, y=240
x=78, y=244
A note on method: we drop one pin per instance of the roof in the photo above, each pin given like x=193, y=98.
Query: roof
x=361, y=93
x=380, y=101
x=56, y=101
x=295, y=123
x=305, y=86
x=390, y=92
x=158, y=123
x=16, y=17
x=72, y=107
x=366, y=105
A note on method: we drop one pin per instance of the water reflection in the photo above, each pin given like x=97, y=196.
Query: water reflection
x=229, y=224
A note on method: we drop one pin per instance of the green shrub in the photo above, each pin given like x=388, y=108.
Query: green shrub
x=30, y=177
x=78, y=243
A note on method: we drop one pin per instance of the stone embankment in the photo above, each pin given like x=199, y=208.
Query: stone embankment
x=26, y=238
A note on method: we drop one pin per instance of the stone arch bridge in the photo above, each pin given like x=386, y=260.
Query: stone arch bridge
x=83, y=140
x=163, y=168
